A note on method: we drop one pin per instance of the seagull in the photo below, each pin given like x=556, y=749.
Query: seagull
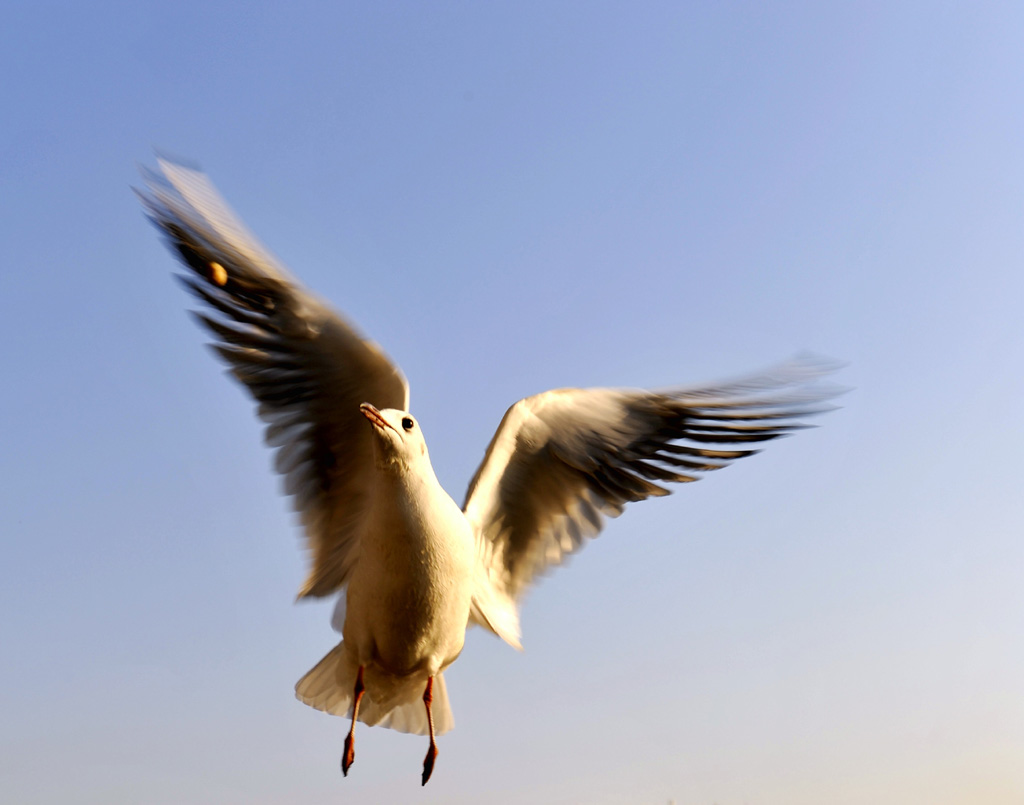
x=411, y=569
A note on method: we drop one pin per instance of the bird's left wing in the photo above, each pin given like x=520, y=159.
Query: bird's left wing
x=563, y=460
x=305, y=365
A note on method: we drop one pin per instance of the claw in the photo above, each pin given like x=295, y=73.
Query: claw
x=428, y=763
x=348, y=756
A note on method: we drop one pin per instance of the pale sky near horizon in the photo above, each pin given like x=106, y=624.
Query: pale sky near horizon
x=512, y=197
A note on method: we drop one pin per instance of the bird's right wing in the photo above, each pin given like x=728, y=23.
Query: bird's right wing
x=305, y=365
x=561, y=461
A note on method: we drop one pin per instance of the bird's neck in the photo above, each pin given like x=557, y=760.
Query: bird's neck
x=407, y=492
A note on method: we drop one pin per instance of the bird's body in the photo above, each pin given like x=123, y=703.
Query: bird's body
x=411, y=569
x=407, y=600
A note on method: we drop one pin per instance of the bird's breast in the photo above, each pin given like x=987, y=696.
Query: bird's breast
x=409, y=594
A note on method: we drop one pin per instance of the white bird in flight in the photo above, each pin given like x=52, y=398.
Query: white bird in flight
x=413, y=570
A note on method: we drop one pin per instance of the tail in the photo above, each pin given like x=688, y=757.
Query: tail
x=388, y=702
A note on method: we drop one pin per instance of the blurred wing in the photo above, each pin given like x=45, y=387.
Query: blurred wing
x=308, y=368
x=563, y=460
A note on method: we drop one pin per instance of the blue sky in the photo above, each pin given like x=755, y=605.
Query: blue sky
x=511, y=198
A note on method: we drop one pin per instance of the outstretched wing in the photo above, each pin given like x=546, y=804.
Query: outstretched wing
x=305, y=365
x=563, y=460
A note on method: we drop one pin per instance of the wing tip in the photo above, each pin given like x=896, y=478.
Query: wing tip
x=166, y=158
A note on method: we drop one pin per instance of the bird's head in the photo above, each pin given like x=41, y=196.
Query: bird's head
x=398, y=439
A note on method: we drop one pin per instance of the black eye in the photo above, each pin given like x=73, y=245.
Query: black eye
x=407, y=423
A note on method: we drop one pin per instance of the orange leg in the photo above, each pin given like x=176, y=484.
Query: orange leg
x=350, y=750
x=428, y=761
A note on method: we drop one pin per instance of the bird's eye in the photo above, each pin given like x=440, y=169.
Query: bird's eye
x=407, y=423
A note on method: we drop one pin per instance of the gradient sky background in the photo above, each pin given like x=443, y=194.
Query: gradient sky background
x=513, y=197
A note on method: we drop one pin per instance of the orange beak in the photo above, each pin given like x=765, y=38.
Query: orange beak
x=375, y=417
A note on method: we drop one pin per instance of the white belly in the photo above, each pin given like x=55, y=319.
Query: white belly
x=409, y=594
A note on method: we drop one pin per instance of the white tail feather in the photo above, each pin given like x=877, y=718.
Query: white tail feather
x=397, y=705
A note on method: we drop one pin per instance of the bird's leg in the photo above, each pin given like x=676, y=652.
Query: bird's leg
x=350, y=750
x=428, y=761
